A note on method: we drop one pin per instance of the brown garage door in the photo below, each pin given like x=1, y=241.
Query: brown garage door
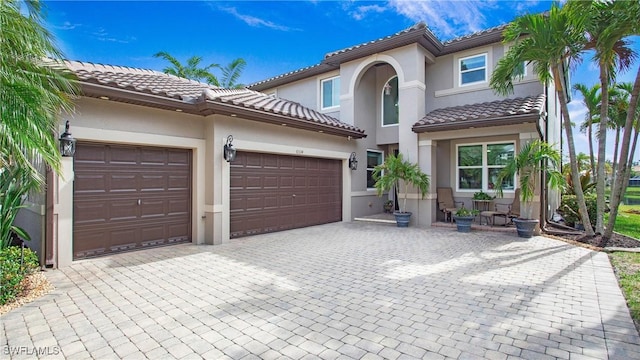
x=278, y=192
x=129, y=197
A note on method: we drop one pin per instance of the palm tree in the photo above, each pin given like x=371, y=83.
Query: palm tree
x=605, y=36
x=33, y=92
x=231, y=73
x=191, y=70
x=591, y=99
x=534, y=157
x=551, y=43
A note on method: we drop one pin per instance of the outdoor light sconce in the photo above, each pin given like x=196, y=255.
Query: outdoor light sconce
x=67, y=142
x=353, y=163
x=229, y=150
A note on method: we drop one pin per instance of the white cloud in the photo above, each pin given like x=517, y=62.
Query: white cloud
x=445, y=17
x=102, y=35
x=362, y=11
x=254, y=21
x=66, y=26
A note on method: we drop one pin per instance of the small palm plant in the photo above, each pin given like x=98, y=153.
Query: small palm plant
x=395, y=171
x=532, y=159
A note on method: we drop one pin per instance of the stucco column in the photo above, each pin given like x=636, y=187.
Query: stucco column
x=213, y=196
x=428, y=163
x=526, y=138
x=63, y=208
x=412, y=106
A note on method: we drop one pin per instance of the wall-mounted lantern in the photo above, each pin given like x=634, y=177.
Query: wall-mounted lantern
x=67, y=142
x=229, y=150
x=353, y=162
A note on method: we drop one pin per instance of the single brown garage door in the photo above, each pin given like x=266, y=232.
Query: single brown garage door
x=129, y=197
x=278, y=192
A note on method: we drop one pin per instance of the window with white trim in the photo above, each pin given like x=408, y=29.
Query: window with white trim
x=390, y=110
x=473, y=69
x=374, y=158
x=478, y=166
x=330, y=93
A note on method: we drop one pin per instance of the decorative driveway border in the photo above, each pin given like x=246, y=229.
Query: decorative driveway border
x=344, y=290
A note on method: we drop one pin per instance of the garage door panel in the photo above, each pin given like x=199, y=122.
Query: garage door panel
x=122, y=156
x=270, y=205
x=89, y=183
x=133, y=199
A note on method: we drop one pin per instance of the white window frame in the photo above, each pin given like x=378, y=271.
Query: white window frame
x=367, y=163
x=460, y=71
x=382, y=104
x=485, y=166
x=336, y=96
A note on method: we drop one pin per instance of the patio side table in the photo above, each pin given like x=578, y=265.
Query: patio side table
x=482, y=206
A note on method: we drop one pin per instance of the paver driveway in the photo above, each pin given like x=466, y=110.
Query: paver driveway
x=345, y=290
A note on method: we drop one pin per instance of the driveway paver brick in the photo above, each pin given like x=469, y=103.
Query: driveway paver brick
x=337, y=291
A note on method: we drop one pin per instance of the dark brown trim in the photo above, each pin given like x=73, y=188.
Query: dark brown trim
x=293, y=76
x=477, y=123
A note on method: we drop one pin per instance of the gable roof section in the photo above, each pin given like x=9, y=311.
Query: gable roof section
x=155, y=89
x=494, y=113
x=418, y=33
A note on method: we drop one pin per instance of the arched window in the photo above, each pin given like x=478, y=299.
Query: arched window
x=390, y=108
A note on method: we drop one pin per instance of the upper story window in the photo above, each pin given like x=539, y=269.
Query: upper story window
x=473, y=69
x=390, y=110
x=478, y=166
x=330, y=93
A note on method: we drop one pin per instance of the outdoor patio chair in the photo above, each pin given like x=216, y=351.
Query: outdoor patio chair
x=512, y=210
x=446, y=204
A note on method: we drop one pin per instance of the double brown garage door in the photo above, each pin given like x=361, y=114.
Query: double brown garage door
x=279, y=192
x=129, y=197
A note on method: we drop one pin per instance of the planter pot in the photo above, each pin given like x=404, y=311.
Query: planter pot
x=463, y=223
x=525, y=227
x=402, y=218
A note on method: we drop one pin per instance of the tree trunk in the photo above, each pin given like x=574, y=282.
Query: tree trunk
x=602, y=146
x=575, y=174
x=591, y=155
x=614, y=165
x=624, y=168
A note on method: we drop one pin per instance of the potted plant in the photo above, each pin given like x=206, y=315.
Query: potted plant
x=464, y=217
x=532, y=159
x=388, y=206
x=395, y=171
x=481, y=195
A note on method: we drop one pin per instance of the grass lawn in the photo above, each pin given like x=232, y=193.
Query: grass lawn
x=627, y=266
x=627, y=223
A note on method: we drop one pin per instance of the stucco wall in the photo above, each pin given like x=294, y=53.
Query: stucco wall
x=111, y=122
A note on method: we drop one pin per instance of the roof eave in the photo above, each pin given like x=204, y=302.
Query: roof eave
x=204, y=108
x=478, y=123
x=472, y=42
x=285, y=79
x=228, y=109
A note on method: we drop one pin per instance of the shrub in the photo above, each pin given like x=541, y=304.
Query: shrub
x=569, y=209
x=13, y=268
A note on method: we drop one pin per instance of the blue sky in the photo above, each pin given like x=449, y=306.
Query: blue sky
x=274, y=37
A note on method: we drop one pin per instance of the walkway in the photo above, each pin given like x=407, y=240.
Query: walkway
x=344, y=290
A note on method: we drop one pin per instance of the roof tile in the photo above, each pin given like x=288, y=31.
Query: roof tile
x=170, y=86
x=459, y=115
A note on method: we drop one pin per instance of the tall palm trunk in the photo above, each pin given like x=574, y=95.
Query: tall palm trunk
x=575, y=174
x=624, y=169
x=625, y=158
x=602, y=147
x=591, y=154
x=614, y=165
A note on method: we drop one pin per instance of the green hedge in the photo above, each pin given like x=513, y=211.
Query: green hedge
x=569, y=208
x=13, y=269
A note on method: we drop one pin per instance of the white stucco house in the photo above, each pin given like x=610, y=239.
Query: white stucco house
x=149, y=168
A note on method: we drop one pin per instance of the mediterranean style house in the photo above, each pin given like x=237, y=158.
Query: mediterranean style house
x=153, y=164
